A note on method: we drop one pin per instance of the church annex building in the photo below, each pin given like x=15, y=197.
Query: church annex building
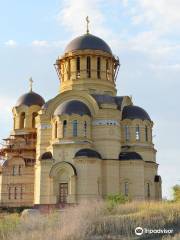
x=85, y=143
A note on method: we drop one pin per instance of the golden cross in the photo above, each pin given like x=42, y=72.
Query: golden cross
x=31, y=84
x=87, y=20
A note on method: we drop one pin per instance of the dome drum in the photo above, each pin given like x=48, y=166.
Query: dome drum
x=87, y=61
x=86, y=65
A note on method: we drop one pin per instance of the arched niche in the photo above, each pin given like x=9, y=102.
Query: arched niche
x=60, y=166
x=63, y=175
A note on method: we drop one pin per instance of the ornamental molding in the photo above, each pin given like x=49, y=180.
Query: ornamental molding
x=105, y=122
x=44, y=126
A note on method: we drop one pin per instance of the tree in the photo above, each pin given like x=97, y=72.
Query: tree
x=176, y=193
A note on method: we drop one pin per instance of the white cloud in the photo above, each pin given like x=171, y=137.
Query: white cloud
x=144, y=40
x=6, y=104
x=156, y=26
x=166, y=67
x=59, y=44
x=125, y=3
x=72, y=16
x=162, y=15
x=11, y=43
x=40, y=43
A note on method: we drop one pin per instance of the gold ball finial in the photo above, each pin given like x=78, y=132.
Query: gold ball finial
x=31, y=84
x=87, y=21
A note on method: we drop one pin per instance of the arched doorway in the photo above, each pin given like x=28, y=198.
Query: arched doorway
x=64, y=183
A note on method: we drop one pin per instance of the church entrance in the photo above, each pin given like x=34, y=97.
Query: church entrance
x=63, y=193
x=63, y=183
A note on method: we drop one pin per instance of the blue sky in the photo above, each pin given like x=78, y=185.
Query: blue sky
x=144, y=34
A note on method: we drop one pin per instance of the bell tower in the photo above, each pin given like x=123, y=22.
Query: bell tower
x=88, y=64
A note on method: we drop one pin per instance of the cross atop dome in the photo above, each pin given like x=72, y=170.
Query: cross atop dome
x=87, y=21
x=31, y=84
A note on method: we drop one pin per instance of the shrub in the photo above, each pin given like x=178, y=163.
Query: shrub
x=116, y=199
x=13, y=209
x=176, y=193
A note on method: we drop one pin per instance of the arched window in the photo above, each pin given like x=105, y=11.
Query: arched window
x=69, y=69
x=34, y=115
x=98, y=67
x=22, y=120
x=148, y=190
x=74, y=125
x=78, y=66
x=146, y=134
x=15, y=170
x=64, y=128
x=126, y=188
x=14, y=123
x=15, y=193
x=56, y=130
x=21, y=193
x=62, y=72
x=127, y=133
x=63, y=192
x=9, y=193
x=137, y=133
x=88, y=67
x=107, y=69
x=85, y=129
x=19, y=170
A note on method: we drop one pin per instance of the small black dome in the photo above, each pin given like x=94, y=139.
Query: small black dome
x=46, y=155
x=72, y=107
x=88, y=41
x=134, y=112
x=157, y=178
x=130, y=156
x=29, y=99
x=86, y=152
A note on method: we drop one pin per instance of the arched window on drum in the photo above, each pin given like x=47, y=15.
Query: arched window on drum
x=99, y=67
x=78, y=67
x=74, y=126
x=64, y=128
x=22, y=120
x=88, y=67
x=56, y=130
x=34, y=115
x=85, y=128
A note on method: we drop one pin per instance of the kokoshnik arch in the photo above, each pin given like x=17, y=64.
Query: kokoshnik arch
x=85, y=143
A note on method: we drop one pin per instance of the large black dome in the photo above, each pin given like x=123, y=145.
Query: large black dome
x=135, y=112
x=72, y=107
x=88, y=41
x=29, y=99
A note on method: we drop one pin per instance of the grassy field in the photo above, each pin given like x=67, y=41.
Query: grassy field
x=94, y=221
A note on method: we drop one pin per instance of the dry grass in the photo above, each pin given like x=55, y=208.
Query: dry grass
x=91, y=221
